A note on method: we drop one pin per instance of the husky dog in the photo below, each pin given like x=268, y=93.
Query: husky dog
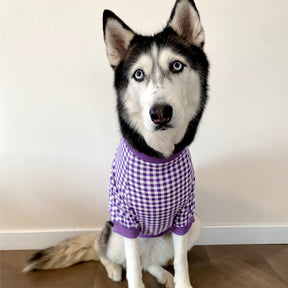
x=161, y=86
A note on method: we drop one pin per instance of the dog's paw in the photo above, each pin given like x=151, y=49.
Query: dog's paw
x=114, y=272
x=167, y=280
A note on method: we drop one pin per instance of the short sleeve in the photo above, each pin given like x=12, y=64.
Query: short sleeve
x=185, y=217
x=123, y=217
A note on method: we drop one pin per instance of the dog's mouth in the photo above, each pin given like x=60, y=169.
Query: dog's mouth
x=163, y=127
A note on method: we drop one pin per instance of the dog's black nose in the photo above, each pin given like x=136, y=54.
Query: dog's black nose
x=161, y=114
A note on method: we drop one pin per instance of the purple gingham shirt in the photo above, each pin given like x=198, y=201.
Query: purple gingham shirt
x=151, y=196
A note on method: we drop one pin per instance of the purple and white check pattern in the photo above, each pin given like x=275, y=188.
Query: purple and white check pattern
x=151, y=196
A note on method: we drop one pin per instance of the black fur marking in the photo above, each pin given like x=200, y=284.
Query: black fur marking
x=37, y=256
x=104, y=237
x=40, y=258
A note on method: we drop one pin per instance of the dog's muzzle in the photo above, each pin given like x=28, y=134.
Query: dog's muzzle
x=161, y=115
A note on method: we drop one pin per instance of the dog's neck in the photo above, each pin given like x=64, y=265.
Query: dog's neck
x=138, y=142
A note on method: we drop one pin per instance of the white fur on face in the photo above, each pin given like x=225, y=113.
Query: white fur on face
x=161, y=86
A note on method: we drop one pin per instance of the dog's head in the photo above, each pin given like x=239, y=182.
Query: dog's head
x=160, y=80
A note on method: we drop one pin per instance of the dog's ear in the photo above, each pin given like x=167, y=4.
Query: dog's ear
x=185, y=21
x=117, y=36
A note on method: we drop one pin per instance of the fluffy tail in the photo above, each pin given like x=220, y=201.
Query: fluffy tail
x=67, y=253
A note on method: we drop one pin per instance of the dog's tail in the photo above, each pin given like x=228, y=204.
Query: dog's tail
x=67, y=253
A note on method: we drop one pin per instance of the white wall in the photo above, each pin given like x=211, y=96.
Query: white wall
x=59, y=129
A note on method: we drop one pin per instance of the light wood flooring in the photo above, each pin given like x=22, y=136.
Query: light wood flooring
x=243, y=266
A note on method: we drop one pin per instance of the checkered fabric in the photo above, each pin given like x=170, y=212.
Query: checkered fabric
x=151, y=196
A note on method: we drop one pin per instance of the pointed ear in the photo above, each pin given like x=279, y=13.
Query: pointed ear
x=117, y=36
x=185, y=21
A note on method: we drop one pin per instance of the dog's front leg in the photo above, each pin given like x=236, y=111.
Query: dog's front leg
x=133, y=264
x=181, y=261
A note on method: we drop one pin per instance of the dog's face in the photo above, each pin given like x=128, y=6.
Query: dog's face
x=158, y=78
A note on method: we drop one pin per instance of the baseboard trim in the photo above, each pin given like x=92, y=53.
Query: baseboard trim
x=210, y=235
x=30, y=240
x=232, y=235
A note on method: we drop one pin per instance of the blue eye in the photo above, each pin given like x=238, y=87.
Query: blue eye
x=176, y=67
x=138, y=75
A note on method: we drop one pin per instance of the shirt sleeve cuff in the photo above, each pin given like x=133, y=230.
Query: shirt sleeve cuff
x=126, y=232
x=182, y=230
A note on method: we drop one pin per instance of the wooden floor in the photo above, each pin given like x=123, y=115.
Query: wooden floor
x=250, y=266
